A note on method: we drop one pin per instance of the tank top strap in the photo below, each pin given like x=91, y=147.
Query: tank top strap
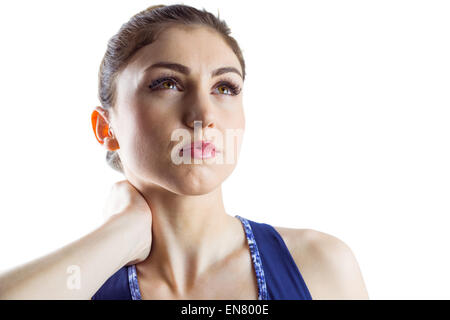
x=256, y=259
x=133, y=283
x=282, y=278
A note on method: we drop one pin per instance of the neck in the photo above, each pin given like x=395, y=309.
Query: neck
x=189, y=235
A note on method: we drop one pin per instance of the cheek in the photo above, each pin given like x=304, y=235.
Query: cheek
x=149, y=137
x=239, y=115
x=242, y=121
x=235, y=119
x=138, y=138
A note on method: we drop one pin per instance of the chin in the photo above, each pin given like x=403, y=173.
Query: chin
x=194, y=186
x=197, y=182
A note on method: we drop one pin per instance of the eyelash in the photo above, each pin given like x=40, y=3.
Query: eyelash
x=235, y=89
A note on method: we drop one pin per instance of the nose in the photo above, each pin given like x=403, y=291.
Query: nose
x=200, y=109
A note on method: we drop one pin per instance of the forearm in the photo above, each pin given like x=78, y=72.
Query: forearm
x=75, y=271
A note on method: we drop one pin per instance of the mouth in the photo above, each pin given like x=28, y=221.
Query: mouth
x=199, y=150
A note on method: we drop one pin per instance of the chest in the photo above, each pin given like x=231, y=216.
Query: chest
x=235, y=280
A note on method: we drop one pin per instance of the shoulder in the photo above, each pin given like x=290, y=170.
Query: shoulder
x=327, y=264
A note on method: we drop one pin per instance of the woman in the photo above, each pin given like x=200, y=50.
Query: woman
x=174, y=72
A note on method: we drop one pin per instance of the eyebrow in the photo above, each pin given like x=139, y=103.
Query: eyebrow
x=186, y=70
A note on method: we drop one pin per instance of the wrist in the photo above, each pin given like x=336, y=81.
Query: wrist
x=131, y=234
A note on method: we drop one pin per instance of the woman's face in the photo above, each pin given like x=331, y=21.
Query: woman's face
x=157, y=105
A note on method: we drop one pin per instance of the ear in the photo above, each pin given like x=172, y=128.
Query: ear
x=100, y=125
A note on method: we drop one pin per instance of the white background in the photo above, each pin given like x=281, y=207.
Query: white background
x=353, y=95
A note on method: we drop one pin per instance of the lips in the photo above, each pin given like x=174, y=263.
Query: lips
x=199, y=149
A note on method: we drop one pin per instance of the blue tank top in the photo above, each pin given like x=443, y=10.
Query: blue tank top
x=277, y=275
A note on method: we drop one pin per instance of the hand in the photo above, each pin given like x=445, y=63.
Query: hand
x=126, y=203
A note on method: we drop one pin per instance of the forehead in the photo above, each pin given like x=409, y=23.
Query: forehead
x=198, y=47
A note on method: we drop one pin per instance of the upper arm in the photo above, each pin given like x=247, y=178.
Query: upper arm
x=327, y=265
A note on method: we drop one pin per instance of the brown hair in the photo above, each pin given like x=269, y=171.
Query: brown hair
x=141, y=30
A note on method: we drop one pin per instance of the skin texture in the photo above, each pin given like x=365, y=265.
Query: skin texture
x=326, y=263
x=196, y=245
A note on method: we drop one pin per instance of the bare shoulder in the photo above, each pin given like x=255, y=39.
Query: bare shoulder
x=327, y=264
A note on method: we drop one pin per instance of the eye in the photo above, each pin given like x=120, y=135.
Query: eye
x=168, y=84
x=164, y=83
x=228, y=88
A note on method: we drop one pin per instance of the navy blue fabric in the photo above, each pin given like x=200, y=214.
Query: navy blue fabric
x=282, y=277
x=115, y=288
